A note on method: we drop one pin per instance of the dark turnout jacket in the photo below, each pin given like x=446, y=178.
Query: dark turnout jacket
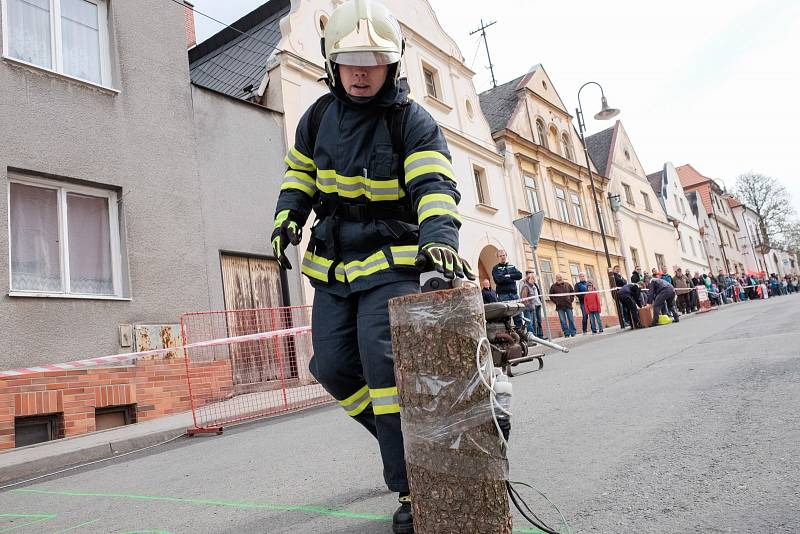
x=353, y=161
x=657, y=285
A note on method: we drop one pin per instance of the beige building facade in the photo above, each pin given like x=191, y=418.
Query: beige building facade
x=647, y=239
x=545, y=172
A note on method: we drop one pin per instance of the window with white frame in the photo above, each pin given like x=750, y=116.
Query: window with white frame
x=541, y=133
x=577, y=210
x=567, y=147
x=66, y=36
x=64, y=239
x=431, y=87
x=546, y=272
x=691, y=242
x=646, y=199
x=682, y=240
x=481, y=186
x=561, y=200
x=628, y=194
x=531, y=193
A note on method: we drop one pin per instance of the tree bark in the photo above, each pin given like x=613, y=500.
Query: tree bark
x=456, y=466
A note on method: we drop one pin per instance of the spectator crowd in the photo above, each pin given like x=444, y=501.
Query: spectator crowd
x=648, y=299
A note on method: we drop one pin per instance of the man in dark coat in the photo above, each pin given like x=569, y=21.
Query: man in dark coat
x=662, y=293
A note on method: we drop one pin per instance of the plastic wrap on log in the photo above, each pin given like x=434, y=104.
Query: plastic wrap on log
x=457, y=486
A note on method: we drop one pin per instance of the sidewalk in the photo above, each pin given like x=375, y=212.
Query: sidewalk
x=42, y=458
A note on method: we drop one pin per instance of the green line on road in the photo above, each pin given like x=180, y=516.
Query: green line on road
x=234, y=504
x=37, y=518
x=77, y=526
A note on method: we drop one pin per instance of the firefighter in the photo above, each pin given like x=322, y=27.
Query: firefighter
x=375, y=169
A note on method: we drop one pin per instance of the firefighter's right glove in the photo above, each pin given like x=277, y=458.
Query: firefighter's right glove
x=286, y=232
x=444, y=260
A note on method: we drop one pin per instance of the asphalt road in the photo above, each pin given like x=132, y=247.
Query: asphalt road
x=691, y=427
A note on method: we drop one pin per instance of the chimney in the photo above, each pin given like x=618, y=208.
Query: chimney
x=191, y=38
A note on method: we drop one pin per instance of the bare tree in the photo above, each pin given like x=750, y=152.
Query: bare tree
x=790, y=234
x=770, y=200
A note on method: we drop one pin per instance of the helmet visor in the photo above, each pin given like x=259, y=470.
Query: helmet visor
x=365, y=58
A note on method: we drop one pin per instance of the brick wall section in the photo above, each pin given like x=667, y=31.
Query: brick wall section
x=157, y=387
x=191, y=37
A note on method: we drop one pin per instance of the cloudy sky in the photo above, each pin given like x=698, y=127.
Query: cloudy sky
x=713, y=83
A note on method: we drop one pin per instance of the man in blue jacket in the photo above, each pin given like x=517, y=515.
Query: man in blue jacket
x=375, y=168
x=582, y=287
x=505, y=277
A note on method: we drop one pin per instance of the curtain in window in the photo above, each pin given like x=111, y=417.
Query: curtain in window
x=35, y=260
x=29, y=31
x=89, y=245
x=81, y=39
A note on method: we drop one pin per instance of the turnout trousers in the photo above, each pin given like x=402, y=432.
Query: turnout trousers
x=353, y=361
x=666, y=298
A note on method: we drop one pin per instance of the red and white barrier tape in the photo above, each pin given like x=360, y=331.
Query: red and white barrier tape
x=116, y=358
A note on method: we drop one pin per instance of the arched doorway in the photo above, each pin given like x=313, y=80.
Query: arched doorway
x=487, y=260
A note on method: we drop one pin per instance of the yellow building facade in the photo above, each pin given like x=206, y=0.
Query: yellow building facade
x=545, y=171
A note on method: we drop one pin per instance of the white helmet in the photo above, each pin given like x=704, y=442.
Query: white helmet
x=362, y=33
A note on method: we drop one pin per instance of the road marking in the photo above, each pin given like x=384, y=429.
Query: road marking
x=232, y=504
x=37, y=518
x=78, y=526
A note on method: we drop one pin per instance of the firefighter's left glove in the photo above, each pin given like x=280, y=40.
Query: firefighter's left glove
x=445, y=260
x=286, y=232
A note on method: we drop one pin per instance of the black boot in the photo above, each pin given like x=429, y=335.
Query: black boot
x=403, y=521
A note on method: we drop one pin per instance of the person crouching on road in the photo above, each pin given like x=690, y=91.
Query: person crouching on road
x=563, y=304
x=661, y=294
x=630, y=298
x=375, y=168
x=591, y=303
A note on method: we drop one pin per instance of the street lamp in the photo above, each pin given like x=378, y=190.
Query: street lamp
x=604, y=114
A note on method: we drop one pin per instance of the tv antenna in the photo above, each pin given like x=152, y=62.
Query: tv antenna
x=482, y=29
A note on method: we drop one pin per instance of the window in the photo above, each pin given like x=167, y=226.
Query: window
x=577, y=211
x=561, y=200
x=682, y=240
x=604, y=221
x=628, y=194
x=683, y=207
x=64, y=239
x=590, y=276
x=114, y=416
x=481, y=187
x=66, y=36
x=627, y=155
x=736, y=243
x=540, y=133
x=691, y=242
x=531, y=193
x=567, y=147
x=574, y=270
x=646, y=199
x=546, y=270
x=430, y=82
x=37, y=429
x=661, y=264
x=635, y=257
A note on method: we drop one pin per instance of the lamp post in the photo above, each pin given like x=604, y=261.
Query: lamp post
x=605, y=113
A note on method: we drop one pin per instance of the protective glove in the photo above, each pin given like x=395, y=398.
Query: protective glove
x=444, y=260
x=286, y=232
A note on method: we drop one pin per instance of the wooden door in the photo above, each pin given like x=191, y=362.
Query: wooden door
x=250, y=285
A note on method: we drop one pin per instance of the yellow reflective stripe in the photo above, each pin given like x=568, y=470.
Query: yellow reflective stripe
x=297, y=160
x=430, y=169
x=371, y=265
x=339, y=273
x=316, y=266
x=383, y=392
x=299, y=186
x=427, y=162
x=437, y=204
x=280, y=217
x=404, y=254
x=387, y=409
x=385, y=400
x=357, y=402
x=329, y=181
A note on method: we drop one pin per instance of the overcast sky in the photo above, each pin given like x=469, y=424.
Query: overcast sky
x=713, y=83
